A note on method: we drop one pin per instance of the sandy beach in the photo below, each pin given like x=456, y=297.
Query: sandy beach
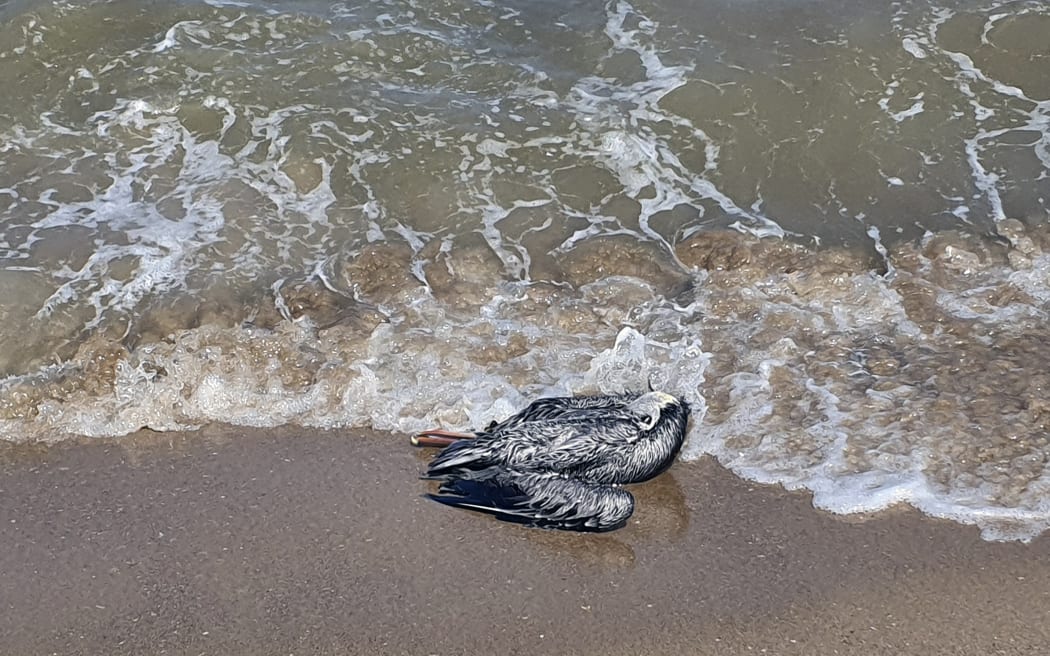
x=293, y=541
x=824, y=225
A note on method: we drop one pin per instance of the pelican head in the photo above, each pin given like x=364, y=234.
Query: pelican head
x=654, y=408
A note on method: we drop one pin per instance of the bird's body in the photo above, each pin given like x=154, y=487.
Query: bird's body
x=559, y=462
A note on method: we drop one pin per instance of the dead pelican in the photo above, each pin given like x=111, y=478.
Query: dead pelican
x=560, y=462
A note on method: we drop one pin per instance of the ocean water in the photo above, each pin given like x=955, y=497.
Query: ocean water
x=825, y=225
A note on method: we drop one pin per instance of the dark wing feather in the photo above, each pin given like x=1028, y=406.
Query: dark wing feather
x=463, y=457
x=542, y=500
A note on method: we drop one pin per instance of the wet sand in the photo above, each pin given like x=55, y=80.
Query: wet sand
x=240, y=541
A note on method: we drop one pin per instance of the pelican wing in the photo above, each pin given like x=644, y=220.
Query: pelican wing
x=563, y=407
x=563, y=445
x=543, y=500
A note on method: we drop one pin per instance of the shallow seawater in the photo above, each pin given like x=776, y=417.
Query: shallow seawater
x=826, y=226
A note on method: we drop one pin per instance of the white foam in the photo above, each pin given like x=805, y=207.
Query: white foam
x=917, y=108
x=912, y=47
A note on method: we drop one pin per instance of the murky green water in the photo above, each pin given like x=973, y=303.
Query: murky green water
x=824, y=224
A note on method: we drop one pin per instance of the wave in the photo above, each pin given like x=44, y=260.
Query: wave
x=918, y=378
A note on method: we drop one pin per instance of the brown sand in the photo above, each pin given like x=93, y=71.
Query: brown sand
x=237, y=541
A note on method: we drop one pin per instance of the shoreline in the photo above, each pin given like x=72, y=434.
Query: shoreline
x=232, y=540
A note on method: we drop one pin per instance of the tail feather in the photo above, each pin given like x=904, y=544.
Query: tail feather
x=459, y=458
x=543, y=500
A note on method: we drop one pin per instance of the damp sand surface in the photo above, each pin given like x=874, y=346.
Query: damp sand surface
x=247, y=541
